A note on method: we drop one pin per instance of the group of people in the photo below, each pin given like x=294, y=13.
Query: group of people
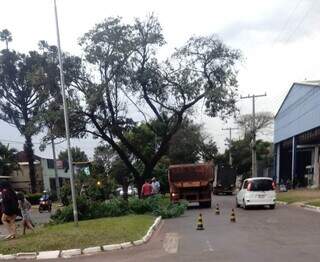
x=150, y=188
x=12, y=205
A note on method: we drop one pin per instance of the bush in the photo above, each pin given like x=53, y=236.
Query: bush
x=65, y=193
x=34, y=199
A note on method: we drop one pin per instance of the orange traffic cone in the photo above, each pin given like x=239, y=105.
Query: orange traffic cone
x=233, y=216
x=200, y=223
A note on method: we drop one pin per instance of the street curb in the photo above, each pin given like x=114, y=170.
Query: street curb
x=282, y=203
x=91, y=250
x=26, y=255
x=68, y=253
x=48, y=255
x=310, y=207
x=7, y=257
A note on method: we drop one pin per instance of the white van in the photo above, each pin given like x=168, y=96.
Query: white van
x=257, y=191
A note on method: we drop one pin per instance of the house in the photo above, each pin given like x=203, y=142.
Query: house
x=20, y=179
x=297, y=136
x=45, y=176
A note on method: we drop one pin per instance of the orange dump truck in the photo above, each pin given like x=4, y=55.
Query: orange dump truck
x=191, y=182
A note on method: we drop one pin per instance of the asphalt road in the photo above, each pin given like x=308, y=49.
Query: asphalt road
x=37, y=218
x=284, y=234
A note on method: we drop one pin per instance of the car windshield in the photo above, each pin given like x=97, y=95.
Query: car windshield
x=261, y=185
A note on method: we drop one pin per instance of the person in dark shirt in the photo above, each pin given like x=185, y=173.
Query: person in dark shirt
x=10, y=208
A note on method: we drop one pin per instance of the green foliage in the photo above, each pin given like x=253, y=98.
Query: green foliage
x=242, y=161
x=77, y=155
x=34, y=198
x=190, y=144
x=172, y=210
x=87, y=209
x=23, y=97
x=202, y=70
x=5, y=36
x=65, y=194
x=8, y=162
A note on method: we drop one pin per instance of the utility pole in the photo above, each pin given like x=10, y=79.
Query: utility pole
x=230, y=137
x=253, y=131
x=66, y=121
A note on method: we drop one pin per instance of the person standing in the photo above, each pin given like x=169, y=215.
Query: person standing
x=146, y=189
x=10, y=208
x=25, y=207
x=155, y=186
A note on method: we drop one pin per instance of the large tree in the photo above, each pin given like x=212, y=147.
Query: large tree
x=129, y=84
x=23, y=96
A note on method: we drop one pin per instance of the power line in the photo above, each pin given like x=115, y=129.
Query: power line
x=301, y=21
x=287, y=22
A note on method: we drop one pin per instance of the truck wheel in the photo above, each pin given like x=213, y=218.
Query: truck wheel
x=237, y=204
x=272, y=206
x=205, y=204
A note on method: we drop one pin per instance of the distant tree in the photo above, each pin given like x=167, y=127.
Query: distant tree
x=77, y=155
x=127, y=79
x=263, y=120
x=5, y=36
x=241, y=154
x=8, y=162
x=23, y=96
x=190, y=145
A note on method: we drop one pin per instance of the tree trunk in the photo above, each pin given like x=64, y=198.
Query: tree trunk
x=125, y=186
x=28, y=149
x=139, y=183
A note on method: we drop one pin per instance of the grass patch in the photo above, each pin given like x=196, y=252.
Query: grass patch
x=314, y=203
x=95, y=232
x=298, y=195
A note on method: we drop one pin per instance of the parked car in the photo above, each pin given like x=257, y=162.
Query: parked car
x=132, y=191
x=257, y=191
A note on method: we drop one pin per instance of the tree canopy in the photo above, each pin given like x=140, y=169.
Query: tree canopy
x=6, y=36
x=127, y=83
x=77, y=155
x=263, y=120
x=190, y=145
x=23, y=96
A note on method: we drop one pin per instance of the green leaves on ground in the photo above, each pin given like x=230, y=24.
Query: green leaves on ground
x=156, y=205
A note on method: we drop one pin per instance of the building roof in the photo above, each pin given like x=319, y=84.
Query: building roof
x=315, y=83
x=299, y=111
x=22, y=157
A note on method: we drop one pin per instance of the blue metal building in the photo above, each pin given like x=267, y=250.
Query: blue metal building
x=297, y=136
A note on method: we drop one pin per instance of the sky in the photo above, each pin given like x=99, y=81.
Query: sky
x=279, y=40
